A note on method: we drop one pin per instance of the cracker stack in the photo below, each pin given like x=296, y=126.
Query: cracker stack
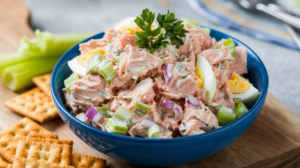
x=27, y=144
x=36, y=104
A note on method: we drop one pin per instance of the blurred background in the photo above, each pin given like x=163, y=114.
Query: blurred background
x=266, y=35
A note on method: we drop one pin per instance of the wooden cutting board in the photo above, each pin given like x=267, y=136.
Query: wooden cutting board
x=272, y=141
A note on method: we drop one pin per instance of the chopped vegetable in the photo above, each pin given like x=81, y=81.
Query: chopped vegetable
x=108, y=72
x=215, y=105
x=117, y=59
x=19, y=76
x=189, y=23
x=175, y=107
x=168, y=74
x=153, y=132
x=70, y=81
x=225, y=115
x=241, y=109
x=104, y=111
x=123, y=114
x=231, y=46
x=116, y=126
x=141, y=108
x=225, y=118
x=93, y=115
x=95, y=63
x=193, y=101
x=49, y=45
x=148, y=123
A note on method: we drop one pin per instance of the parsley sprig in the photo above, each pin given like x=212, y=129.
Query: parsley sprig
x=169, y=29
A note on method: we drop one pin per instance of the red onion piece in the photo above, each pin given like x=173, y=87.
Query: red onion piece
x=193, y=101
x=175, y=107
x=168, y=74
x=93, y=115
x=148, y=123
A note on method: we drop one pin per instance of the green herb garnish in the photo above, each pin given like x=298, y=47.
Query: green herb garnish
x=169, y=30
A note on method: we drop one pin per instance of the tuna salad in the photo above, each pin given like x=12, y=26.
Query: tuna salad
x=158, y=79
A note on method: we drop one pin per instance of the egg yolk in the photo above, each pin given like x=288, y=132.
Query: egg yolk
x=84, y=59
x=238, y=84
x=200, y=76
x=132, y=30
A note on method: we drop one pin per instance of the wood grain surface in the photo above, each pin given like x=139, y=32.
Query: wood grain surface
x=272, y=141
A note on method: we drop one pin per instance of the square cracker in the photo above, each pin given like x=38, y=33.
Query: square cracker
x=9, y=145
x=33, y=163
x=42, y=135
x=33, y=104
x=9, y=137
x=85, y=161
x=50, y=152
x=3, y=163
x=43, y=82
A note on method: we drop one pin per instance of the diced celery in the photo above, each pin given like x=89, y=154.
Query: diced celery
x=108, y=72
x=116, y=126
x=123, y=114
x=153, y=132
x=19, y=76
x=104, y=111
x=241, y=109
x=189, y=23
x=206, y=30
x=117, y=59
x=141, y=108
x=94, y=62
x=224, y=109
x=231, y=46
x=225, y=118
x=70, y=81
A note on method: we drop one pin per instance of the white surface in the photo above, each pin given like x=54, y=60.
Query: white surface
x=62, y=16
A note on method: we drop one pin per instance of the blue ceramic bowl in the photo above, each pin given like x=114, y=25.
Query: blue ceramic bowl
x=163, y=152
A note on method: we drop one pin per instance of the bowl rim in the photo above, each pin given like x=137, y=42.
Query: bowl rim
x=255, y=107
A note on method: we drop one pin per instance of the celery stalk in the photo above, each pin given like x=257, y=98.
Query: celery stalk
x=10, y=59
x=48, y=45
x=19, y=76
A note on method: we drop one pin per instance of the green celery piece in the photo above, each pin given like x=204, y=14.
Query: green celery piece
x=188, y=22
x=104, y=111
x=49, y=45
x=225, y=118
x=19, y=76
x=94, y=62
x=11, y=59
x=123, y=114
x=241, y=109
x=108, y=72
x=117, y=59
x=141, y=108
x=116, y=127
x=231, y=46
x=224, y=109
x=153, y=132
x=70, y=81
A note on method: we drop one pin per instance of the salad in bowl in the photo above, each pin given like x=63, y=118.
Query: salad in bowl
x=158, y=80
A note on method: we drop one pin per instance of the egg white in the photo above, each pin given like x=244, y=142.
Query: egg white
x=249, y=97
x=76, y=67
x=210, y=83
x=127, y=22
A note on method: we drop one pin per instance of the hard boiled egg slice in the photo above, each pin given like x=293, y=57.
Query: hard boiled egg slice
x=79, y=64
x=128, y=26
x=207, y=77
x=243, y=89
